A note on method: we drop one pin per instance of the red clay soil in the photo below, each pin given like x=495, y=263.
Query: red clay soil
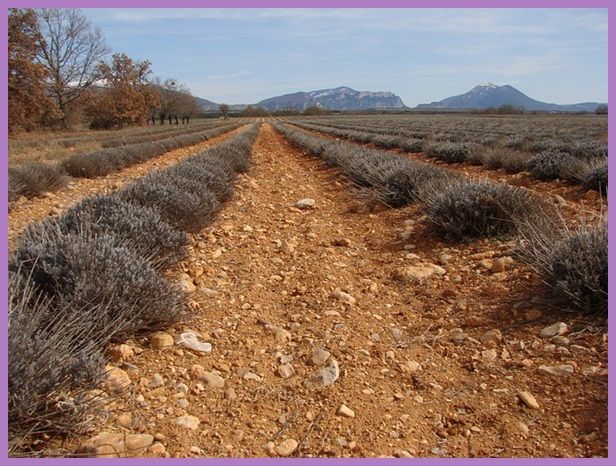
x=54, y=203
x=428, y=367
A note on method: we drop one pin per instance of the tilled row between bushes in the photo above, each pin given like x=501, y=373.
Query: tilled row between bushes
x=572, y=263
x=93, y=276
x=586, y=166
x=33, y=179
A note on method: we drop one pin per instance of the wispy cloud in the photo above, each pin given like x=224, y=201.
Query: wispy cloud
x=237, y=55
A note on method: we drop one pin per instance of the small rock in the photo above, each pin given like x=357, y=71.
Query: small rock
x=118, y=380
x=213, y=380
x=182, y=403
x=413, y=366
x=104, y=445
x=156, y=381
x=189, y=422
x=523, y=428
x=161, y=340
x=158, y=449
x=230, y=394
x=528, y=399
x=124, y=420
x=444, y=259
x=136, y=442
x=344, y=297
x=282, y=335
x=287, y=447
x=491, y=336
x=559, y=328
x=558, y=371
x=326, y=376
x=189, y=340
x=489, y=355
x=345, y=411
x=486, y=264
x=413, y=273
x=186, y=283
x=286, y=371
x=306, y=203
x=320, y=357
x=121, y=352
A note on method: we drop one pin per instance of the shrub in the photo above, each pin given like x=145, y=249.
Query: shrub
x=98, y=281
x=448, y=151
x=515, y=141
x=548, y=165
x=573, y=263
x=138, y=228
x=597, y=179
x=209, y=173
x=467, y=209
x=51, y=366
x=183, y=209
x=411, y=144
x=512, y=161
x=33, y=179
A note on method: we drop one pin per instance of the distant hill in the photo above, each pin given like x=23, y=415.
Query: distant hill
x=490, y=95
x=207, y=105
x=340, y=98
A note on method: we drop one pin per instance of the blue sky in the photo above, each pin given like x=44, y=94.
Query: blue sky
x=244, y=55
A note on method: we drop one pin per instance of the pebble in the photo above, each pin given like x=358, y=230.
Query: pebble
x=345, y=411
x=491, y=336
x=306, y=203
x=189, y=422
x=121, y=352
x=558, y=371
x=137, y=442
x=118, y=380
x=413, y=273
x=124, y=420
x=287, y=447
x=559, y=328
x=186, y=283
x=528, y=399
x=113, y=445
x=213, y=380
x=286, y=371
x=320, y=357
x=189, y=340
x=230, y=394
x=161, y=340
x=326, y=376
x=343, y=297
x=158, y=449
x=156, y=381
x=489, y=355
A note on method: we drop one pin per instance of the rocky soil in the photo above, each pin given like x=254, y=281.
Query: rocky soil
x=341, y=332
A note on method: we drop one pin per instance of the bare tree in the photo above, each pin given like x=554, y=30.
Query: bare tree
x=224, y=109
x=71, y=52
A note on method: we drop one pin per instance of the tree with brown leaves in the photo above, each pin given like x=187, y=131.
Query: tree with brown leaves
x=125, y=97
x=28, y=101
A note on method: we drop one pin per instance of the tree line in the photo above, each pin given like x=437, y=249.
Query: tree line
x=61, y=75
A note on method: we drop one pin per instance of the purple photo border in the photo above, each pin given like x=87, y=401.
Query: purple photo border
x=246, y=4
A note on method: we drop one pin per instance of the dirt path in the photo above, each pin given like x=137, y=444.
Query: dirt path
x=54, y=203
x=414, y=375
x=578, y=200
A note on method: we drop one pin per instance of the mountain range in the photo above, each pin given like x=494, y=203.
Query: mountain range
x=344, y=98
x=490, y=95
